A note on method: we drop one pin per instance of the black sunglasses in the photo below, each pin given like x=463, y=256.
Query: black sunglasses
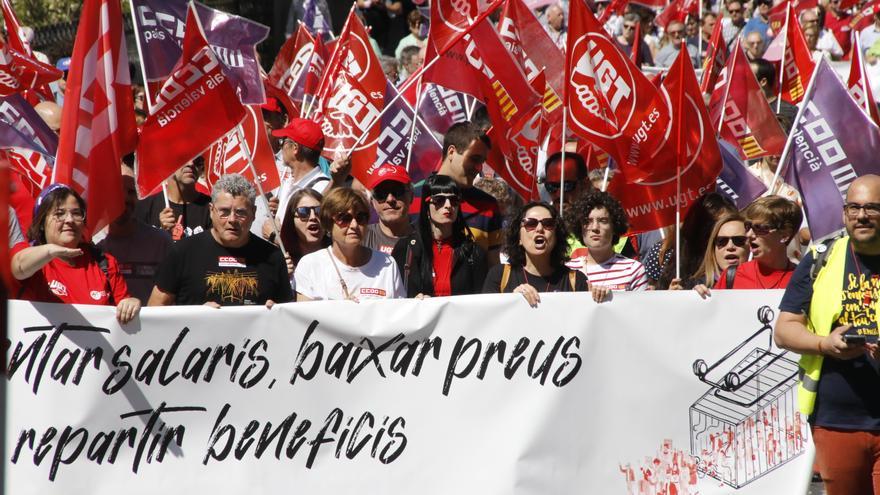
x=344, y=219
x=440, y=200
x=305, y=212
x=760, y=229
x=737, y=240
x=532, y=223
x=567, y=186
x=381, y=192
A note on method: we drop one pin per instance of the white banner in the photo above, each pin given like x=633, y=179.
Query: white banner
x=655, y=393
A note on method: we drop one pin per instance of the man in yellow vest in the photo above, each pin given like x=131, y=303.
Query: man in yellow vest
x=829, y=316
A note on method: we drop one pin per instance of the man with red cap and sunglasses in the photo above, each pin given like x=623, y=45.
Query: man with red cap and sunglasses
x=302, y=142
x=391, y=191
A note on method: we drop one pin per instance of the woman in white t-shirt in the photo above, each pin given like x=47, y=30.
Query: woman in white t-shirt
x=347, y=269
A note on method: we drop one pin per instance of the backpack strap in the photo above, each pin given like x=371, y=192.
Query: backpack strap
x=316, y=181
x=505, y=277
x=729, y=276
x=572, y=276
x=820, y=257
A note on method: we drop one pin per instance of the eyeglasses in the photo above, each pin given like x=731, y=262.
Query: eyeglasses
x=343, y=220
x=240, y=213
x=305, y=212
x=734, y=11
x=760, y=229
x=439, y=200
x=872, y=210
x=567, y=186
x=531, y=224
x=737, y=240
x=381, y=192
x=60, y=215
x=676, y=33
x=627, y=27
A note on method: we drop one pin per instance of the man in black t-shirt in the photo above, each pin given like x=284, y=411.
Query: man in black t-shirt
x=829, y=316
x=187, y=212
x=226, y=265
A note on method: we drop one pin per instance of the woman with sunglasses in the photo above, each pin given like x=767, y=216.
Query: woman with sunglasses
x=727, y=249
x=60, y=266
x=302, y=232
x=346, y=269
x=440, y=258
x=535, y=246
x=599, y=221
x=771, y=223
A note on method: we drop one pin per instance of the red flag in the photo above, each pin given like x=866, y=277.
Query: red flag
x=748, y=120
x=351, y=105
x=614, y=7
x=610, y=102
x=677, y=10
x=527, y=40
x=859, y=87
x=292, y=63
x=228, y=155
x=33, y=74
x=97, y=122
x=716, y=60
x=5, y=261
x=197, y=101
x=777, y=12
x=450, y=18
x=798, y=62
x=652, y=205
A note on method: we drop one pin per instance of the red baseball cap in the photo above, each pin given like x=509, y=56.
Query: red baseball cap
x=303, y=131
x=385, y=172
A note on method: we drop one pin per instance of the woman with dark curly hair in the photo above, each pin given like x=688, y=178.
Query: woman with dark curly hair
x=535, y=245
x=440, y=257
x=599, y=221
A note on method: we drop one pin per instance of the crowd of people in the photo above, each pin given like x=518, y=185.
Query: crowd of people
x=322, y=235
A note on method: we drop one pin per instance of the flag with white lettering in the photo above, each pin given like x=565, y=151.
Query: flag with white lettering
x=748, y=120
x=798, y=65
x=831, y=143
x=97, y=122
x=292, y=64
x=31, y=145
x=860, y=87
x=160, y=26
x=450, y=18
x=228, y=155
x=31, y=73
x=393, y=143
x=197, y=102
x=735, y=181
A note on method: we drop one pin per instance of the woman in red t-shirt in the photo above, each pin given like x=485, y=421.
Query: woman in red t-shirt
x=58, y=266
x=440, y=257
x=771, y=223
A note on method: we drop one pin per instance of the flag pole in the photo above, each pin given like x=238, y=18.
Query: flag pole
x=771, y=190
x=562, y=160
x=412, y=129
x=782, y=62
x=239, y=131
x=863, y=75
x=678, y=157
x=700, y=38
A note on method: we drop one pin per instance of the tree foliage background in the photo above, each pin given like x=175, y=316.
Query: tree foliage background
x=39, y=13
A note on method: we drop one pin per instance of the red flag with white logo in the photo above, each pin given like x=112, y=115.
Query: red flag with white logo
x=228, y=155
x=97, y=122
x=859, y=87
x=529, y=43
x=797, y=60
x=651, y=205
x=677, y=10
x=292, y=64
x=716, y=60
x=32, y=73
x=610, y=102
x=351, y=104
x=197, y=101
x=748, y=120
x=450, y=18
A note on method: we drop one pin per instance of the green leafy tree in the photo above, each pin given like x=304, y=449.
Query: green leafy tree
x=39, y=13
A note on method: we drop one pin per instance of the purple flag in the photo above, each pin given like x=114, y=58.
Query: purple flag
x=735, y=181
x=393, y=141
x=31, y=143
x=159, y=28
x=314, y=19
x=831, y=143
x=440, y=107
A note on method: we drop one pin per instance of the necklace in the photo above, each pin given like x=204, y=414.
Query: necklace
x=867, y=299
x=774, y=285
x=543, y=278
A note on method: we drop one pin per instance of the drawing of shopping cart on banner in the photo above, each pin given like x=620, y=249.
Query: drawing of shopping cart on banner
x=747, y=424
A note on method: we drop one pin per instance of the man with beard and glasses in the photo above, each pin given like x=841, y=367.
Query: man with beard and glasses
x=391, y=190
x=829, y=317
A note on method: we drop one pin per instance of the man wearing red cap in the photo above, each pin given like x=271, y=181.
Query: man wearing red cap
x=391, y=190
x=301, y=144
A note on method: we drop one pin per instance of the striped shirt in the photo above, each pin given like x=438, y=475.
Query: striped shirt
x=616, y=273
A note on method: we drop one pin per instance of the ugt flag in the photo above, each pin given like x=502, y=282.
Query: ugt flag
x=831, y=144
x=160, y=26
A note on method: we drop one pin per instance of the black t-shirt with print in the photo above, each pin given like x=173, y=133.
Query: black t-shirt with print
x=848, y=396
x=198, y=270
x=195, y=217
x=558, y=282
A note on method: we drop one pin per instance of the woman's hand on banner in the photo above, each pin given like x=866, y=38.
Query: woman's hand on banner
x=127, y=309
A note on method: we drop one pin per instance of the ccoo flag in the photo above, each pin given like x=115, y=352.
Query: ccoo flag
x=831, y=143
